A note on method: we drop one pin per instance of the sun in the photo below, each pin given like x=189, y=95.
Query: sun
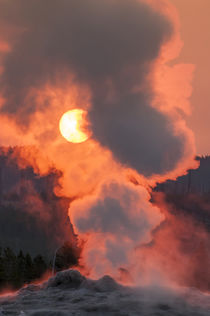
x=73, y=126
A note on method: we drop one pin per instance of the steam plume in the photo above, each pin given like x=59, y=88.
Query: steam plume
x=109, y=46
x=110, y=58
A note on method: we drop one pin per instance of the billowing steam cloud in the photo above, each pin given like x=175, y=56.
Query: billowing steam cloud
x=103, y=56
x=113, y=222
x=110, y=46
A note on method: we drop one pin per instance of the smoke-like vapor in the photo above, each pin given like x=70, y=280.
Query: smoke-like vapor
x=112, y=222
x=111, y=59
x=108, y=46
x=32, y=217
x=179, y=245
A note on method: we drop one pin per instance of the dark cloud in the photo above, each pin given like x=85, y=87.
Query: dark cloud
x=109, y=45
x=138, y=135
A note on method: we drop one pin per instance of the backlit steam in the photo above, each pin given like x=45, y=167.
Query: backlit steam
x=111, y=57
x=113, y=221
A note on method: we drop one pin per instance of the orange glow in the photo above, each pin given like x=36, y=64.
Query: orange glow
x=71, y=124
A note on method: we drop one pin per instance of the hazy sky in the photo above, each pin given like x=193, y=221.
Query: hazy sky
x=195, y=31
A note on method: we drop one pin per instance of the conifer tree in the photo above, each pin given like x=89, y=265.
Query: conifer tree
x=40, y=266
x=29, y=268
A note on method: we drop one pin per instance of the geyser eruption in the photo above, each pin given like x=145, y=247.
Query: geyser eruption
x=106, y=56
x=113, y=221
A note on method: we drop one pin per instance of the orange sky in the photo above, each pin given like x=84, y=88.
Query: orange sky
x=195, y=32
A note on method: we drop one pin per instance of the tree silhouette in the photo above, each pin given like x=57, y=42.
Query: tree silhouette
x=40, y=266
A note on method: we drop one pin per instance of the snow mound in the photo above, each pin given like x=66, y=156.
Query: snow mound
x=66, y=279
x=73, y=279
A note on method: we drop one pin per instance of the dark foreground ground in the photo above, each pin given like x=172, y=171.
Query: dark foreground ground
x=69, y=293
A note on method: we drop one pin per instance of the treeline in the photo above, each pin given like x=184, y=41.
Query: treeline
x=196, y=181
x=17, y=270
x=20, y=269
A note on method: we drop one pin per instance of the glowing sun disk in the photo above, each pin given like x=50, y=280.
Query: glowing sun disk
x=72, y=126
